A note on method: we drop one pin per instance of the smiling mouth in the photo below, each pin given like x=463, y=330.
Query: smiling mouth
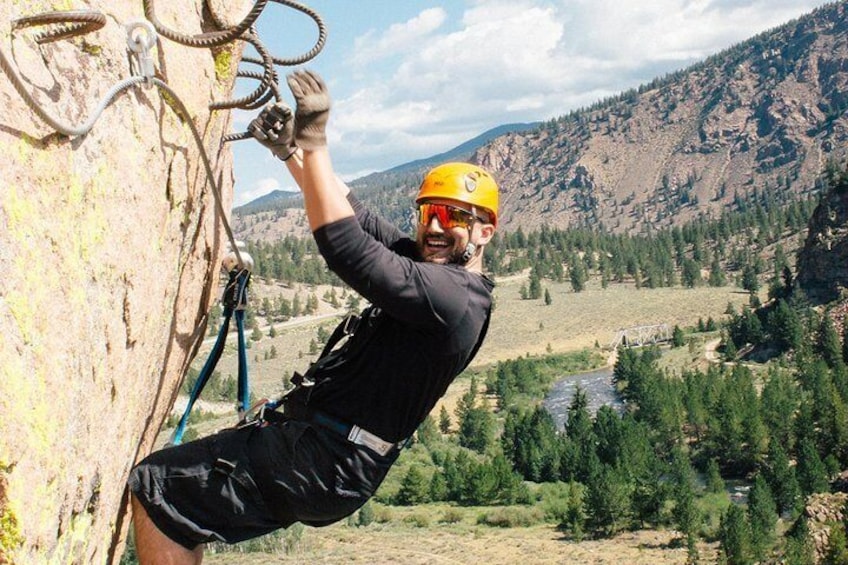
x=436, y=243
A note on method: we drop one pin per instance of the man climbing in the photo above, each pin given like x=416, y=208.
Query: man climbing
x=324, y=452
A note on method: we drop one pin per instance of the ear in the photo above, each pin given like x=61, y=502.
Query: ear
x=486, y=233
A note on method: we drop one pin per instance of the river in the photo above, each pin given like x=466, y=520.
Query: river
x=596, y=384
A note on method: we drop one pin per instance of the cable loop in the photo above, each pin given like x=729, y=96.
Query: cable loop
x=269, y=81
x=70, y=24
x=205, y=40
x=141, y=38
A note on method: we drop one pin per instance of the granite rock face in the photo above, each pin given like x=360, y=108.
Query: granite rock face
x=823, y=261
x=110, y=245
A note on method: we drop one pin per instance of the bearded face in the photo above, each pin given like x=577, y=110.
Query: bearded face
x=444, y=232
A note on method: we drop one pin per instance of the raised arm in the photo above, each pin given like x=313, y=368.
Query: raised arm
x=302, y=144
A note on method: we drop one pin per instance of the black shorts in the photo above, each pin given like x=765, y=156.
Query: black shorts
x=240, y=484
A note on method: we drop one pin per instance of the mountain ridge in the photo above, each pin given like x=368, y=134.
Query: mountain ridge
x=758, y=121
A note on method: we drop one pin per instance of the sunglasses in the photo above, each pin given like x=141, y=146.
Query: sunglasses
x=448, y=216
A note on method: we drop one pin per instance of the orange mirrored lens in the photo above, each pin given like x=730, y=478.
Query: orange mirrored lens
x=448, y=216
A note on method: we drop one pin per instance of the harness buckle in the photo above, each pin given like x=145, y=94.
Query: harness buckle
x=365, y=438
x=253, y=416
x=351, y=322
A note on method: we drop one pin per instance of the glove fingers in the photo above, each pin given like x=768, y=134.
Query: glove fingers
x=314, y=81
x=294, y=85
x=257, y=131
x=280, y=111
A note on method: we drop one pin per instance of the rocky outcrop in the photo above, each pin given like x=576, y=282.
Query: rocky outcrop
x=823, y=261
x=823, y=512
x=110, y=247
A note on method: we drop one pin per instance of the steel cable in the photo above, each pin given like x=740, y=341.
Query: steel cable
x=205, y=40
x=70, y=24
x=73, y=23
x=69, y=130
x=204, y=156
x=87, y=125
x=269, y=81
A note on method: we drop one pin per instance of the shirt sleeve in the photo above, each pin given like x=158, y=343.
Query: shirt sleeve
x=421, y=294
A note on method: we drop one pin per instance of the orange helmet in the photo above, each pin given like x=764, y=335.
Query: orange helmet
x=462, y=182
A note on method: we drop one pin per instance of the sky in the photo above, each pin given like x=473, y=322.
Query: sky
x=411, y=78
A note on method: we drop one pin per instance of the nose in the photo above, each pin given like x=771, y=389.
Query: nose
x=434, y=225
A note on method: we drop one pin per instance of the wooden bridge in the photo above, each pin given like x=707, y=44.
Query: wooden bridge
x=638, y=336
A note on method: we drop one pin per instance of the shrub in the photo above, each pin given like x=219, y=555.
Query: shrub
x=418, y=520
x=512, y=517
x=383, y=514
x=451, y=516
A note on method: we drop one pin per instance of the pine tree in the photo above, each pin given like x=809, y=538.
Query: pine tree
x=365, y=516
x=686, y=514
x=608, y=500
x=677, y=338
x=256, y=334
x=476, y=423
x=730, y=350
x=438, y=487
x=444, y=420
x=575, y=512
x=837, y=542
x=717, y=277
x=577, y=273
x=715, y=483
x=828, y=344
x=414, y=488
x=799, y=549
x=785, y=326
x=691, y=275
x=750, y=282
x=735, y=536
x=427, y=432
x=762, y=514
x=812, y=474
x=780, y=476
x=534, y=291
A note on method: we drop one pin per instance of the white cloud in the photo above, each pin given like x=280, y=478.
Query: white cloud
x=399, y=38
x=500, y=52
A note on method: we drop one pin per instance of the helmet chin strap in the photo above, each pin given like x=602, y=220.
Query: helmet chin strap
x=466, y=256
x=470, y=250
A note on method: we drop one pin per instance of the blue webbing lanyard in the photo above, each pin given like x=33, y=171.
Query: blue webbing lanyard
x=234, y=300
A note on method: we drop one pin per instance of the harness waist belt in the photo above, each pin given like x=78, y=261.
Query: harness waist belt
x=353, y=433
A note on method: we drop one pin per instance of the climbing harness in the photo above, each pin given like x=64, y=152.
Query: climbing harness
x=234, y=300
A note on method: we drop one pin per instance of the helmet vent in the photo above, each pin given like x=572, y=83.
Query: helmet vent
x=471, y=182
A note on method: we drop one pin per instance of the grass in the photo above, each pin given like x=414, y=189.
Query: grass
x=468, y=543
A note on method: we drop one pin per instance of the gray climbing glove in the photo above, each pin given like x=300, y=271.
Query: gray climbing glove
x=312, y=111
x=274, y=128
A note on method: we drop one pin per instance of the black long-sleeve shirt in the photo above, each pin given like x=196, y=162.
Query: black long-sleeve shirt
x=431, y=317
